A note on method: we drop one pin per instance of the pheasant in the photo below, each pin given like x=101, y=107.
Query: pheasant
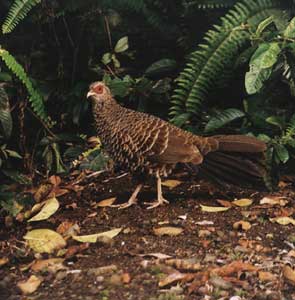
x=145, y=144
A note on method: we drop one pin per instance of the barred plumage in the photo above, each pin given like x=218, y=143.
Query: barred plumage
x=144, y=143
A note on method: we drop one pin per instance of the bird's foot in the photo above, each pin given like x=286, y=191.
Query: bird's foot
x=130, y=202
x=160, y=201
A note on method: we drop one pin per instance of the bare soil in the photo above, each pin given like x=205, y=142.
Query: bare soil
x=208, y=241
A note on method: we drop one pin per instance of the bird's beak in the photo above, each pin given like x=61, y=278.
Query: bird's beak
x=89, y=94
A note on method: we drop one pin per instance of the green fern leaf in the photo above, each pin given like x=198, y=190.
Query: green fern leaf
x=223, y=118
x=209, y=4
x=35, y=98
x=218, y=52
x=17, y=12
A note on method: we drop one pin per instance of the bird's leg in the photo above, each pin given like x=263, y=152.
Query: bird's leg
x=161, y=200
x=132, y=200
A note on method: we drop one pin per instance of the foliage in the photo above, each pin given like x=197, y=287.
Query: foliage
x=17, y=12
x=221, y=48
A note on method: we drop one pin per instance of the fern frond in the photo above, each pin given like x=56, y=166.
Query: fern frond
x=35, y=99
x=209, y=4
x=222, y=118
x=290, y=131
x=221, y=47
x=17, y=12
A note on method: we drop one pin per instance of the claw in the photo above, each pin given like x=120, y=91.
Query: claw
x=132, y=200
x=160, y=201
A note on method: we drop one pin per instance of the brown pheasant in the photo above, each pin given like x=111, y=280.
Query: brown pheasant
x=145, y=144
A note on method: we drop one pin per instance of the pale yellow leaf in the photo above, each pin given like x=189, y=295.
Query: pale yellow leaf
x=213, y=208
x=168, y=230
x=171, y=183
x=44, y=240
x=106, y=202
x=92, y=238
x=283, y=220
x=49, y=208
x=274, y=200
x=243, y=202
x=29, y=286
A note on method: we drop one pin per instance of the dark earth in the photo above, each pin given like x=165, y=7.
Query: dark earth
x=133, y=263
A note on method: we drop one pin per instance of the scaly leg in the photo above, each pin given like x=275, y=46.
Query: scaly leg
x=132, y=200
x=161, y=200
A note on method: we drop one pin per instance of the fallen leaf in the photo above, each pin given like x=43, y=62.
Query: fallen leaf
x=29, y=286
x=233, y=267
x=242, y=225
x=73, y=250
x=283, y=220
x=106, y=202
x=51, y=265
x=3, y=261
x=92, y=238
x=274, y=200
x=50, y=207
x=42, y=192
x=44, y=240
x=156, y=255
x=171, y=278
x=184, y=264
x=68, y=228
x=289, y=274
x=55, y=180
x=171, y=183
x=243, y=202
x=168, y=230
x=126, y=278
x=213, y=208
x=291, y=253
x=266, y=276
x=225, y=203
x=205, y=223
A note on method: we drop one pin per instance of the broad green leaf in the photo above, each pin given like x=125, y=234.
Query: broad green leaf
x=106, y=58
x=276, y=121
x=122, y=45
x=161, y=66
x=223, y=118
x=266, y=55
x=290, y=30
x=13, y=154
x=281, y=152
x=255, y=78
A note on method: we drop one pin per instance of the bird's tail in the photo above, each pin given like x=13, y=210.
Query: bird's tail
x=238, y=160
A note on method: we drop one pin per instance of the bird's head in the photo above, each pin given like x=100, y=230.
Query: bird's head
x=99, y=93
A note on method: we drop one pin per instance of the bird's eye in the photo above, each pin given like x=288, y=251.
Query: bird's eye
x=98, y=89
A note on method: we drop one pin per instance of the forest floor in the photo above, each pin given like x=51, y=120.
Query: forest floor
x=177, y=251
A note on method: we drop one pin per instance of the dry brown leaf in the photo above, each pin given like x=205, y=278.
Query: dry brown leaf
x=3, y=261
x=289, y=274
x=126, y=278
x=55, y=180
x=42, y=191
x=225, y=203
x=283, y=220
x=44, y=240
x=106, y=202
x=234, y=267
x=171, y=183
x=266, y=276
x=52, y=265
x=49, y=208
x=171, y=278
x=93, y=238
x=73, y=250
x=184, y=264
x=68, y=228
x=274, y=200
x=213, y=208
x=167, y=230
x=243, y=202
x=244, y=225
x=29, y=286
x=291, y=253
